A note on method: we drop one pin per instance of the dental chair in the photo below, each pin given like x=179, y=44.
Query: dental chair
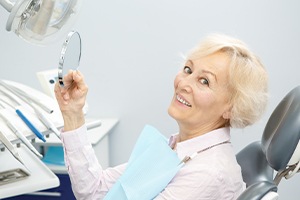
x=278, y=151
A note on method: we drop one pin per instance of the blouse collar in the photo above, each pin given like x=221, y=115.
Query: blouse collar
x=198, y=143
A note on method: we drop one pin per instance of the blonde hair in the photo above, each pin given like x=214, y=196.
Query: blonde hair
x=248, y=79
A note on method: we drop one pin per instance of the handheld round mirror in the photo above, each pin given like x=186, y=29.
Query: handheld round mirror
x=70, y=56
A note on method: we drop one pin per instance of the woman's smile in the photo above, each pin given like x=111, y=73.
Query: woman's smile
x=183, y=101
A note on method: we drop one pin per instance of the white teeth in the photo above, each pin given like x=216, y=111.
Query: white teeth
x=183, y=101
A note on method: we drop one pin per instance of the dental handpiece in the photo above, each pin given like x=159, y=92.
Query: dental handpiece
x=23, y=95
x=46, y=121
x=30, y=125
x=24, y=139
x=18, y=133
x=11, y=147
x=26, y=120
x=21, y=136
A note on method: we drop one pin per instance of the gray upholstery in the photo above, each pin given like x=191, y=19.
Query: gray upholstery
x=280, y=138
x=282, y=132
x=257, y=191
x=255, y=167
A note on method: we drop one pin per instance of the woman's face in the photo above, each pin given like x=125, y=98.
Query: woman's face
x=201, y=98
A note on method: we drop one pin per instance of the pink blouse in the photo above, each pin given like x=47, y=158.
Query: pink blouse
x=213, y=174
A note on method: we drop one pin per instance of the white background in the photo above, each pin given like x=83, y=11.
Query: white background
x=132, y=51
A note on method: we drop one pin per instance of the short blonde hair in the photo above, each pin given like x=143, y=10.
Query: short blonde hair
x=248, y=79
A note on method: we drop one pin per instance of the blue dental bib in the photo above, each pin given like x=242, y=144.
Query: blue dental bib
x=151, y=167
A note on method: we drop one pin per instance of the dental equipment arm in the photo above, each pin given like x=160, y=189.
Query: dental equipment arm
x=7, y=5
x=41, y=22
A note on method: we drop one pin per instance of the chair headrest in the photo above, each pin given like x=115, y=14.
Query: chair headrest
x=282, y=132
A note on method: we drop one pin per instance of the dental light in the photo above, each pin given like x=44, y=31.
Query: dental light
x=41, y=21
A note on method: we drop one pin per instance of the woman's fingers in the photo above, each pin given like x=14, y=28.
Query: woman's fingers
x=79, y=86
x=73, y=97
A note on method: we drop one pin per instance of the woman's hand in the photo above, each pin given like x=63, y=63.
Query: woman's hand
x=71, y=99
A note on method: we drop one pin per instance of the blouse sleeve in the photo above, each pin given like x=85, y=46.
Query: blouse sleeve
x=88, y=179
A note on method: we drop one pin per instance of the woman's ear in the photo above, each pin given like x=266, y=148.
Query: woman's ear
x=227, y=115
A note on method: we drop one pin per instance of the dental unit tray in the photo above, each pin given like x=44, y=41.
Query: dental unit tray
x=12, y=175
x=34, y=175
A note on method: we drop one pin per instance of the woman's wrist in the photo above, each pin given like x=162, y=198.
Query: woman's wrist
x=73, y=121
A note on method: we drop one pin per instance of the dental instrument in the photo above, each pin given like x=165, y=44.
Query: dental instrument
x=12, y=98
x=21, y=94
x=46, y=121
x=18, y=133
x=26, y=98
x=5, y=141
x=30, y=125
x=23, y=117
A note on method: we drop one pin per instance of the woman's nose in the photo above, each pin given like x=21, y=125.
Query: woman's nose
x=186, y=84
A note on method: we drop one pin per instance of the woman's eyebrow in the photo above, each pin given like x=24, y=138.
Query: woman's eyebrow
x=189, y=62
x=212, y=74
x=204, y=71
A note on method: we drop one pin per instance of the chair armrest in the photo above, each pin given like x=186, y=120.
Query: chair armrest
x=271, y=196
x=257, y=191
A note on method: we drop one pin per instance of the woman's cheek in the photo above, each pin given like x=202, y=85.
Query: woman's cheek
x=176, y=81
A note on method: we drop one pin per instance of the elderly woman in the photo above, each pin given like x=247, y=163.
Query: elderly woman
x=222, y=84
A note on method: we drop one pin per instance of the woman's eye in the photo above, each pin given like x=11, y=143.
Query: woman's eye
x=187, y=70
x=204, y=81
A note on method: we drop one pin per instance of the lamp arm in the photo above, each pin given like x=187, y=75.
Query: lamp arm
x=8, y=5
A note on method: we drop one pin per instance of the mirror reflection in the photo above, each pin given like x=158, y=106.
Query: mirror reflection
x=70, y=55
